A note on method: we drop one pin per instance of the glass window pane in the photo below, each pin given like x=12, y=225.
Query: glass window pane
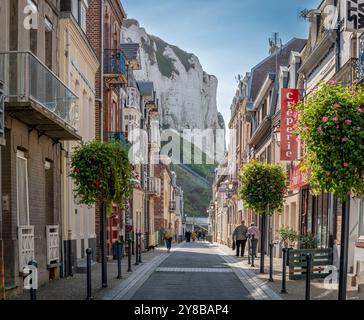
x=361, y=218
x=22, y=191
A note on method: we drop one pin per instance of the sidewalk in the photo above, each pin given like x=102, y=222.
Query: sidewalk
x=295, y=288
x=74, y=288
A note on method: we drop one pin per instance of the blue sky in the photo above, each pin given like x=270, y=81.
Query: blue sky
x=228, y=36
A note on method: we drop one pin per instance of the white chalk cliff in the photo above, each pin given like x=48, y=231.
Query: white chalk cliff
x=186, y=93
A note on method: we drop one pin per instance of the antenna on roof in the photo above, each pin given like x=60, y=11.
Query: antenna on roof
x=275, y=43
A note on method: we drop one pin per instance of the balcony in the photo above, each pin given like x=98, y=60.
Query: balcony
x=108, y=136
x=154, y=186
x=114, y=67
x=37, y=97
x=349, y=72
x=172, y=206
x=152, y=108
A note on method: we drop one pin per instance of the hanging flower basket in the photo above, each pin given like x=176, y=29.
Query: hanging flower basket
x=331, y=127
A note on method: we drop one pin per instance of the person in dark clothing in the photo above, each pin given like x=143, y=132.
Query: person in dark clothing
x=188, y=236
x=239, y=236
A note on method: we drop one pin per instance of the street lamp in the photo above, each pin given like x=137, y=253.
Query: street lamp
x=277, y=135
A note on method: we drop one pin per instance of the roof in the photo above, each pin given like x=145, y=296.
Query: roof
x=146, y=88
x=282, y=56
x=130, y=50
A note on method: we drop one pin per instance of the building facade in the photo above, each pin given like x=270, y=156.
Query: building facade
x=78, y=68
x=39, y=116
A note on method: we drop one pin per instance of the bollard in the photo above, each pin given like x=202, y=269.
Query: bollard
x=88, y=265
x=129, y=255
x=136, y=249
x=140, y=247
x=118, y=255
x=249, y=247
x=284, y=263
x=308, y=275
x=271, y=245
x=33, y=291
x=253, y=250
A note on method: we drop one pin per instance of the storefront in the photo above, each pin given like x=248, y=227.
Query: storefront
x=319, y=217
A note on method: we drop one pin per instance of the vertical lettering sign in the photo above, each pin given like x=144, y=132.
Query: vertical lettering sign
x=288, y=120
x=354, y=15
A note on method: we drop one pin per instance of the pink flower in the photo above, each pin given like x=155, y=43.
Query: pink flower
x=348, y=121
x=319, y=130
x=349, y=193
x=360, y=110
x=345, y=164
x=353, y=93
x=336, y=106
x=335, y=118
x=328, y=173
x=337, y=126
x=333, y=82
x=358, y=129
x=325, y=119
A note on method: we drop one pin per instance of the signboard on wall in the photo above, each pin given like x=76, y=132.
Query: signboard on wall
x=296, y=178
x=289, y=145
x=354, y=15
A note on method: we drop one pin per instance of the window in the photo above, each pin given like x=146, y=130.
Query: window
x=82, y=16
x=22, y=189
x=48, y=42
x=75, y=6
x=361, y=219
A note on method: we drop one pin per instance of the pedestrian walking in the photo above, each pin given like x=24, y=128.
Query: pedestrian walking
x=253, y=230
x=188, y=236
x=168, y=236
x=239, y=236
x=194, y=236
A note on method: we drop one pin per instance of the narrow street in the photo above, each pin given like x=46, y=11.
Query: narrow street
x=194, y=271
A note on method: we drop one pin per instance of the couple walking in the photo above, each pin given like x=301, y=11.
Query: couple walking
x=240, y=235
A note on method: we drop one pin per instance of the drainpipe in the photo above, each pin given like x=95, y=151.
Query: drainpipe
x=100, y=100
x=2, y=266
x=338, y=39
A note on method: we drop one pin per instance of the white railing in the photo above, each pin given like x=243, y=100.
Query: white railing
x=26, y=245
x=154, y=185
x=52, y=244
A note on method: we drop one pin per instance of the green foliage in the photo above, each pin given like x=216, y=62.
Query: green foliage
x=165, y=64
x=263, y=187
x=331, y=126
x=307, y=241
x=288, y=236
x=184, y=57
x=101, y=171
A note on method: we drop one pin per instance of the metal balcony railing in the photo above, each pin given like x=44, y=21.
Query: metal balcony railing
x=154, y=186
x=108, y=136
x=349, y=72
x=28, y=79
x=115, y=65
x=172, y=206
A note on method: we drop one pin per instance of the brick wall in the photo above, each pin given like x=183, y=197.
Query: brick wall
x=37, y=150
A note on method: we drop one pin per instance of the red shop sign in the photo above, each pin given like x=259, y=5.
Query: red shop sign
x=296, y=178
x=290, y=97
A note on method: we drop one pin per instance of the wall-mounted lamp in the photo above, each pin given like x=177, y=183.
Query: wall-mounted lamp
x=277, y=135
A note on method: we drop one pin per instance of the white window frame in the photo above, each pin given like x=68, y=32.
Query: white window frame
x=360, y=218
x=21, y=155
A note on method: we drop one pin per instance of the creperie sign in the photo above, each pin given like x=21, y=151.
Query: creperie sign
x=290, y=97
